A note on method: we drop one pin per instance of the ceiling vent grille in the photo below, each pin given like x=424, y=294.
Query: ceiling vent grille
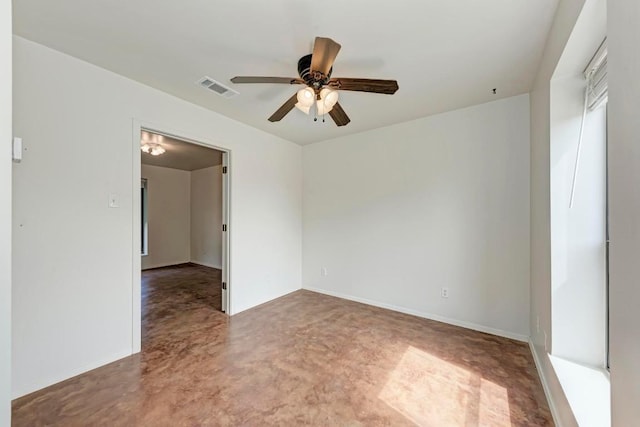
x=217, y=87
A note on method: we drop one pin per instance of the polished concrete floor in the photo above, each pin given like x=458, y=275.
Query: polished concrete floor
x=303, y=359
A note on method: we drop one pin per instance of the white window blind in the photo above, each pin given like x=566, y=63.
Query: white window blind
x=595, y=95
x=596, y=75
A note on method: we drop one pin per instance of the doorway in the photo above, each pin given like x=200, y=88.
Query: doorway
x=181, y=219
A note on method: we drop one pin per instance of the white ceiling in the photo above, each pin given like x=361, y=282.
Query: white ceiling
x=444, y=54
x=179, y=154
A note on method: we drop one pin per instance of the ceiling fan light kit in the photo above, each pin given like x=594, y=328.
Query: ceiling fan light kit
x=322, y=90
x=324, y=101
x=306, y=98
x=329, y=96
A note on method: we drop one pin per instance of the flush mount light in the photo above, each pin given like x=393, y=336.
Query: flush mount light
x=152, y=148
x=150, y=143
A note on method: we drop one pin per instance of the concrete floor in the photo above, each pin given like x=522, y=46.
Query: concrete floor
x=303, y=359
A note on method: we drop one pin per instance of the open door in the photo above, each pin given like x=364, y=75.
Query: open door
x=225, y=232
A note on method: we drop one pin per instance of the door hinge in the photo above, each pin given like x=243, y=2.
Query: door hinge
x=224, y=227
x=224, y=285
x=224, y=169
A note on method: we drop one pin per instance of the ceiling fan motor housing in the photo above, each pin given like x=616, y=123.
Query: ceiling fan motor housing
x=313, y=79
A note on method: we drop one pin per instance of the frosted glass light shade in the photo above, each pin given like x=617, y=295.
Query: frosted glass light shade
x=157, y=150
x=322, y=107
x=306, y=97
x=329, y=96
x=152, y=148
x=304, y=108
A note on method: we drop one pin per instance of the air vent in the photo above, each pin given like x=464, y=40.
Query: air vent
x=217, y=87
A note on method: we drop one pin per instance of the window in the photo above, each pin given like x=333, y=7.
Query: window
x=606, y=253
x=596, y=97
x=579, y=229
x=579, y=210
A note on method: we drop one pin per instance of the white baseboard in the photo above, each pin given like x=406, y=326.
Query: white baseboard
x=151, y=267
x=430, y=316
x=162, y=265
x=24, y=389
x=545, y=385
x=205, y=264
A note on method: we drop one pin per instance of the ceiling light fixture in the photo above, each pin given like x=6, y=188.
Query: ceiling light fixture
x=327, y=99
x=152, y=148
x=306, y=97
x=324, y=102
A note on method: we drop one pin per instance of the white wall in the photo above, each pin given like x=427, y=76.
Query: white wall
x=397, y=213
x=73, y=255
x=168, y=216
x=206, y=216
x=5, y=213
x=624, y=175
x=540, y=297
x=184, y=216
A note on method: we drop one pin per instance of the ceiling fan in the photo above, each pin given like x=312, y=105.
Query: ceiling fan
x=321, y=89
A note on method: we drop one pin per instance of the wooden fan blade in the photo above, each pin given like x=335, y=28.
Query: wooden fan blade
x=284, y=110
x=257, y=79
x=325, y=51
x=388, y=87
x=339, y=116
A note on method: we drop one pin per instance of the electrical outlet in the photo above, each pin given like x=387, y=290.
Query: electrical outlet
x=545, y=342
x=444, y=292
x=324, y=272
x=538, y=324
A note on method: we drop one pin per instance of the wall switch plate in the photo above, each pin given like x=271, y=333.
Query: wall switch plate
x=444, y=292
x=17, y=149
x=113, y=201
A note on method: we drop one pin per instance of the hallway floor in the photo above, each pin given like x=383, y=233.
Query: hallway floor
x=170, y=291
x=303, y=359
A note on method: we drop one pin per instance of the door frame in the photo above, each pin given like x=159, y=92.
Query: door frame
x=136, y=297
